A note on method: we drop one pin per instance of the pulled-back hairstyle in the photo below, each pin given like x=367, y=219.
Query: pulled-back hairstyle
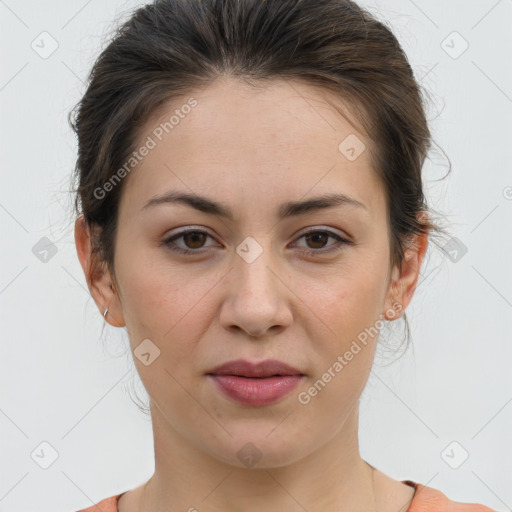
x=170, y=47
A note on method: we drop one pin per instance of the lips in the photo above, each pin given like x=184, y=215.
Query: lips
x=263, y=369
x=255, y=384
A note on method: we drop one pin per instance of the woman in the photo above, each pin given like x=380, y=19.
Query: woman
x=251, y=210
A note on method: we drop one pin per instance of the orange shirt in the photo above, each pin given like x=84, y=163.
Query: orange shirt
x=426, y=499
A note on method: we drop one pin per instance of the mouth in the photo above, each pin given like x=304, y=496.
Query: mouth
x=255, y=384
x=264, y=369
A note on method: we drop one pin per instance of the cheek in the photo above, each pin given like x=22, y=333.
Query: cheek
x=345, y=352
x=155, y=295
x=170, y=308
x=349, y=305
x=350, y=301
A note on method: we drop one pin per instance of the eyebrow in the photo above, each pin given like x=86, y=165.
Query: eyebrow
x=289, y=209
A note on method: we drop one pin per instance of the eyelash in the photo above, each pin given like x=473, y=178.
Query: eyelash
x=169, y=242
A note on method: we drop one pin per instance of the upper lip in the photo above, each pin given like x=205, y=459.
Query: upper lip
x=244, y=368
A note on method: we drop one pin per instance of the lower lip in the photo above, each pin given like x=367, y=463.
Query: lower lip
x=256, y=391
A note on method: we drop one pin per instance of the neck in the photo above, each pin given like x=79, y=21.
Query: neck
x=188, y=478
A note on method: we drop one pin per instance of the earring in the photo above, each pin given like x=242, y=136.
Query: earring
x=393, y=315
x=105, y=313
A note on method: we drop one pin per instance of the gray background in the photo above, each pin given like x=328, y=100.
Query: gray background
x=449, y=394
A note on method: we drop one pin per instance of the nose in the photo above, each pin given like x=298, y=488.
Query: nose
x=258, y=298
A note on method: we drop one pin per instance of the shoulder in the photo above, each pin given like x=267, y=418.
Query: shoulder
x=106, y=505
x=428, y=499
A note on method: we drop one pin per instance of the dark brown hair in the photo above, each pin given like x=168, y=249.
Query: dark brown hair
x=170, y=47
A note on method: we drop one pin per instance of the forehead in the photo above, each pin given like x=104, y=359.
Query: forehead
x=274, y=113
x=285, y=137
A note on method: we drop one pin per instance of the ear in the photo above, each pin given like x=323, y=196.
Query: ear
x=99, y=281
x=404, y=279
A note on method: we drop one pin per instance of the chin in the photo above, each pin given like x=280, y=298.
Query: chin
x=261, y=448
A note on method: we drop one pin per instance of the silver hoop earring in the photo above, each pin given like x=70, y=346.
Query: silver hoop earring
x=105, y=313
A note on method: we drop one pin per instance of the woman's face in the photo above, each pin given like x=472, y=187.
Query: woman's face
x=253, y=286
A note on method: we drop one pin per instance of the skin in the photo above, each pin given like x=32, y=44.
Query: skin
x=254, y=149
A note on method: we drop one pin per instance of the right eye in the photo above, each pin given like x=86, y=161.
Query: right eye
x=192, y=237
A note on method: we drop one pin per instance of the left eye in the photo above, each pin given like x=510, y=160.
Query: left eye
x=196, y=238
x=321, y=237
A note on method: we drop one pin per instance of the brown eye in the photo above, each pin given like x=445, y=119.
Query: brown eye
x=316, y=241
x=193, y=240
x=318, y=238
